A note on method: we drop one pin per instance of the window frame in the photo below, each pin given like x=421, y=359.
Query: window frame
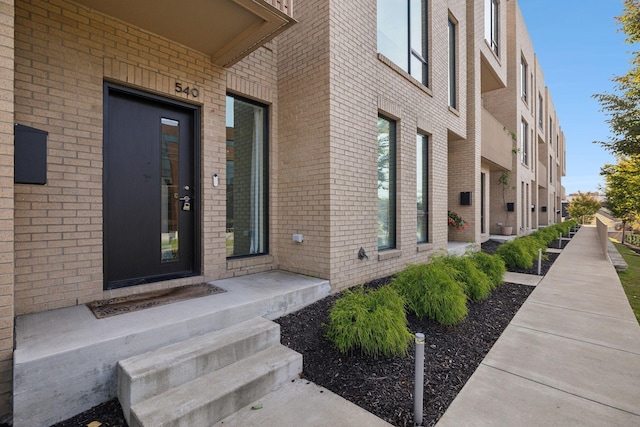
x=391, y=181
x=421, y=57
x=452, y=38
x=524, y=143
x=492, y=25
x=265, y=176
x=540, y=111
x=524, y=80
x=414, y=58
x=422, y=180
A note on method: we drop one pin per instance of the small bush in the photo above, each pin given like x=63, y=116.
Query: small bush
x=533, y=243
x=373, y=322
x=516, y=254
x=429, y=290
x=475, y=283
x=565, y=226
x=546, y=235
x=493, y=266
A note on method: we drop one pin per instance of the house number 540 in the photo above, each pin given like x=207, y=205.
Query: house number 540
x=189, y=91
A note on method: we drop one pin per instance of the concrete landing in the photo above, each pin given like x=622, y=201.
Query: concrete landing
x=65, y=360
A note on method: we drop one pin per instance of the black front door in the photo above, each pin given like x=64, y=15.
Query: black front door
x=150, y=201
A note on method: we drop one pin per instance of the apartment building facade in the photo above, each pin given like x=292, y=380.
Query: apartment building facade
x=526, y=111
x=323, y=138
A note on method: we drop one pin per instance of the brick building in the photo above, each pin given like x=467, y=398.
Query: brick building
x=191, y=145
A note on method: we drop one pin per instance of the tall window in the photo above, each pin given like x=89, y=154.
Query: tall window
x=540, y=110
x=550, y=169
x=492, y=24
x=246, y=178
x=453, y=101
x=386, y=183
x=524, y=146
x=483, y=201
x=402, y=35
x=524, y=86
x=550, y=131
x=422, y=185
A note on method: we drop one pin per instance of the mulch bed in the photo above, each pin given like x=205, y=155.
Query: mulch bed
x=384, y=387
x=490, y=247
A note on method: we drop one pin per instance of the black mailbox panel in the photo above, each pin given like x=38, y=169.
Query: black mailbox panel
x=30, y=155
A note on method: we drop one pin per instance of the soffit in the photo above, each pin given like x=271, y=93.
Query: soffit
x=226, y=30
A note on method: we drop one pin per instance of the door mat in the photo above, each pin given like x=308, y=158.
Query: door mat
x=114, y=306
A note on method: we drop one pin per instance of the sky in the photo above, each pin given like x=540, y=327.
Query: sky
x=580, y=50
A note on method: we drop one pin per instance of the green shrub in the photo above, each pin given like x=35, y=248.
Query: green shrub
x=516, y=254
x=373, y=322
x=565, y=226
x=429, y=290
x=633, y=239
x=475, y=283
x=533, y=243
x=493, y=266
x=546, y=235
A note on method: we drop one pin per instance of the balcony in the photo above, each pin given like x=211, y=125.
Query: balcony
x=497, y=143
x=226, y=30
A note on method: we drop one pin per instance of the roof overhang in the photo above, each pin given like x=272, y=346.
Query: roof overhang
x=226, y=30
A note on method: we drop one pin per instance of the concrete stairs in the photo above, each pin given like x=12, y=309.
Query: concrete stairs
x=204, y=379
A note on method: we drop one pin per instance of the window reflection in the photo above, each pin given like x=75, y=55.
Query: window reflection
x=246, y=178
x=386, y=183
x=170, y=131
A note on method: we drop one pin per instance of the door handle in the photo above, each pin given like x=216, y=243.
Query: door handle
x=185, y=199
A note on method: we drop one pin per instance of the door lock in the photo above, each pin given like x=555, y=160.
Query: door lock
x=186, y=203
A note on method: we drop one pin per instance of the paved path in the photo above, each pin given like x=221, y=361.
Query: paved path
x=570, y=356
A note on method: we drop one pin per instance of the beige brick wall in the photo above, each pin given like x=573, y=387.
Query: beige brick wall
x=64, y=52
x=6, y=205
x=507, y=106
x=303, y=162
x=324, y=83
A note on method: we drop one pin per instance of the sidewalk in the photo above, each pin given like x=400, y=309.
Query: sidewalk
x=570, y=356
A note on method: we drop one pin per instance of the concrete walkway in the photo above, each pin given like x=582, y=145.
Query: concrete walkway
x=570, y=356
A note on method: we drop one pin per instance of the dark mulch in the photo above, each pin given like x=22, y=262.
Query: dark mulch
x=108, y=413
x=384, y=387
x=490, y=247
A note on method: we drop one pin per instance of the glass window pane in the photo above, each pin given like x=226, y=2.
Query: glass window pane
x=452, y=65
x=393, y=31
x=421, y=233
x=418, y=35
x=495, y=25
x=246, y=150
x=422, y=200
x=386, y=183
x=170, y=205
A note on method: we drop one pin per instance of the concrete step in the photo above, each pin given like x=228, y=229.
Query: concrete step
x=65, y=360
x=211, y=397
x=153, y=373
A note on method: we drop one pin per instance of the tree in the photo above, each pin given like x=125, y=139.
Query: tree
x=623, y=107
x=583, y=207
x=622, y=188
